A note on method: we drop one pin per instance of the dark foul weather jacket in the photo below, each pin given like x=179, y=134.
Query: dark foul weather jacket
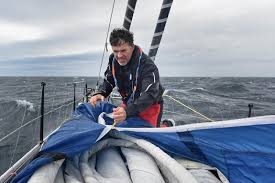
x=139, y=85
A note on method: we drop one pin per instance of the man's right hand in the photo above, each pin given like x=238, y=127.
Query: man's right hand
x=95, y=98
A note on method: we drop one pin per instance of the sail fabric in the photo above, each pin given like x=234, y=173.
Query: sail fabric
x=242, y=149
x=242, y=153
x=103, y=163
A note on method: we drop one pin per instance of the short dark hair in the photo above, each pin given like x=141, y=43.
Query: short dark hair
x=120, y=36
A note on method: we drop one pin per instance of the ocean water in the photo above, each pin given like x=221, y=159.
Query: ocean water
x=216, y=98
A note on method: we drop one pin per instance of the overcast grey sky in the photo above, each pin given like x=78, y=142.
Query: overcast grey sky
x=202, y=37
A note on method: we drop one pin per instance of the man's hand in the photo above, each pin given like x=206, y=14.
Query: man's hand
x=119, y=114
x=95, y=98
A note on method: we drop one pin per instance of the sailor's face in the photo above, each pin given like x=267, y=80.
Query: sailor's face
x=123, y=53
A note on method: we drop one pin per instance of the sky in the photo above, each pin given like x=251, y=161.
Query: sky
x=207, y=38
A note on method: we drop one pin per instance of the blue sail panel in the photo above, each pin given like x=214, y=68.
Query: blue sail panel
x=243, y=150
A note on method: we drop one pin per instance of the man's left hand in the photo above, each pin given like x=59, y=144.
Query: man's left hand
x=119, y=114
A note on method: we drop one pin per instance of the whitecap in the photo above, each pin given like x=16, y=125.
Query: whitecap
x=26, y=103
x=199, y=88
x=174, y=90
x=215, y=77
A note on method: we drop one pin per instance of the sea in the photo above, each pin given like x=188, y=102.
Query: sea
x=187, y=100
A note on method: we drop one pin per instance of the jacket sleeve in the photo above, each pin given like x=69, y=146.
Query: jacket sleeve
x=150, y=90
x=108, y=83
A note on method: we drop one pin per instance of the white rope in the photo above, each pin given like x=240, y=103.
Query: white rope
x=170, y=97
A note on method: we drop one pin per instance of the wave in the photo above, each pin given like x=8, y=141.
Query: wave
x=25, y=103
x=215, y=77
x=168, y=91
x=272, y=87
x=230, y=88
x=199, y=89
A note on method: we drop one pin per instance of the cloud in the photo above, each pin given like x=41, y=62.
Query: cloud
x=68, y=65
x=205, y=38
x=10, y=33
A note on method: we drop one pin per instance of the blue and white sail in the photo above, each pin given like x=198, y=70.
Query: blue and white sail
x=242, y=149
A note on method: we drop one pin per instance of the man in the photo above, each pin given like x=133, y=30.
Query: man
x=137, y=79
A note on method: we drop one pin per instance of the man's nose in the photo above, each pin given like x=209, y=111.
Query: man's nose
x=119, y=54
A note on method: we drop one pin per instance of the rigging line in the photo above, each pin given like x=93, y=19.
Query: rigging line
x=35, y=119
x=105, y=44
x=53, y=102
x=36, y=125
x=19, y=128
x=66, y=108
x=192, y=106
x=220, y=113
x=34, y=132
x=65, y=105
x=60, y=108
x=173, y=112
x=17, y=139
x=188, y=107
x=65, y=84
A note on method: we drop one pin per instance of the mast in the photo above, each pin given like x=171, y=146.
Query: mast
x=163, y=16
x=129, y=14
